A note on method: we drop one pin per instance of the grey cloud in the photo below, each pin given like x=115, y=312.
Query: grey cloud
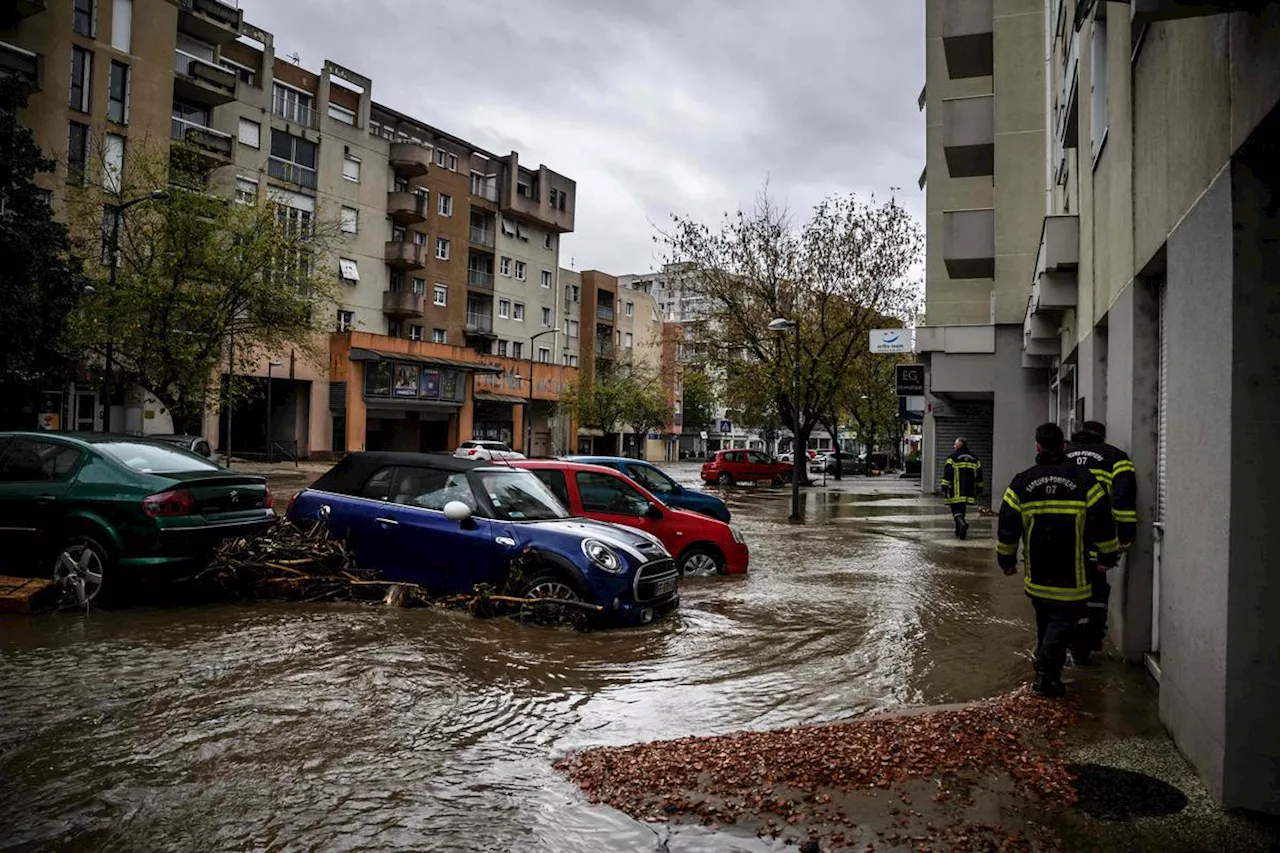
x=654, y=106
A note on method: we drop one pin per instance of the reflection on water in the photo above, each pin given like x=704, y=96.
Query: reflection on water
x=352, y=728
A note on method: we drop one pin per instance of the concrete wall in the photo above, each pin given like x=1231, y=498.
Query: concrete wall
x=1197, y=520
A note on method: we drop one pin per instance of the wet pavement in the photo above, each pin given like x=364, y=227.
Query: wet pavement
x=340, y=727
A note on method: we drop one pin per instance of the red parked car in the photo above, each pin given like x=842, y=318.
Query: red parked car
x=744, y=466
x=700, y=545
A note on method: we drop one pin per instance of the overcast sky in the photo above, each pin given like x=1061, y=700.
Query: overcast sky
x=653, y=106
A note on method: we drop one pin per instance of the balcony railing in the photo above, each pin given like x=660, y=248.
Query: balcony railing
x=402, y=255
x=481, y=324
x=604, y=347
x=603, y=312
x=20, y=63
x=409, y=159
x=294, y=112
x=210, y=20
x=480, y=279
x=407, y=208
x=204, y=138
x=482, y=236
x=484, y=191
x=292, y=172
x=402, y=304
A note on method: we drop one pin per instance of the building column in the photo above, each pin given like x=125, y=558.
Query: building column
x=357, y=413
x=517, y=429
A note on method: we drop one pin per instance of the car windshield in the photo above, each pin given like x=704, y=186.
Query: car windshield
x=154, y=458
x=493, y=445
x=518, y=496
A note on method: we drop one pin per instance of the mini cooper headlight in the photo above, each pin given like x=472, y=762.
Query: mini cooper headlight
x=602, y=556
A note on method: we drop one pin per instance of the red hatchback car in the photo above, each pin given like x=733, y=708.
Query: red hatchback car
x=744, y=466
x=700, y=545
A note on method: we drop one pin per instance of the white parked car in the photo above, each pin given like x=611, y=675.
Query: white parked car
x=484, y=451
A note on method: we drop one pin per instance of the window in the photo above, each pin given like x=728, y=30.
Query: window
x=292, y=105
x=627, y=340
x=292, y=159
x=250, y=133
x=523, y=189
x=246, y=75
x=439, y=336
x=440, y=157
x=246, y=190
x=546, y=278
x=652, y=479
x=1098, y=88
x=397, y=281
x=415, y=333
x=573, y=361
x=342, y=114
x=77, y=152
x=442, y=249
x=572, y=329
x=544, y=355
x=348, y=271
x=504, y=266
x=395, y=329
x=552, y=194
x=546, y=241
x=351, y=168
x=118, y=93
x=520, y=270
x=81, y=79
x=609, y=493
x=112, y=162
x=419, y=239
x=546, y=317
x=502, y=348
x=577, y=293
x=517, y=312
x=346, y=320
x=419, y=286
x=631, y=309
x=504, y=308
x=82, y=17
x=453, y=163
x=441, y=296
x=122, y=25
x=517, y=349
x=350, y=220
x=446, y=205
x=110, y=224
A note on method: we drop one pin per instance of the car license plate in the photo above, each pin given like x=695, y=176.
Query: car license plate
x=664, y=588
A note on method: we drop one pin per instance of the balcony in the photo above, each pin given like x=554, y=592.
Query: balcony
x=479, y=279
x=968, y=27
x=401, y=304
x=403, y=255
x=604, y=348
x=294, y=112
x=409, y=160
x=407, y=208
x=969, y=136
x=969, y=243
x=482, y=237
x=542, y=196
x=479, y=325
x=27, y=8
x=484, y=191
x=209, y=20
x=1055, y=286
x=212, y=145
x=20, y=64
x=202, y=82
x=604, y=313
x=1146, y=11
x=286, y=170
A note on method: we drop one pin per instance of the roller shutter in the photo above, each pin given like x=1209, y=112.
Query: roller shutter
x=970, y=420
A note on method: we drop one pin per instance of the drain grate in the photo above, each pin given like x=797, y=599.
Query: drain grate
x=1109, y=793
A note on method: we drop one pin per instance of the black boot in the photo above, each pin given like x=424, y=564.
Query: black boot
x=1050, y=688
x=963, y=532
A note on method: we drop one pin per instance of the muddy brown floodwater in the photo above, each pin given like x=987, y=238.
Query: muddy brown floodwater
x=350, y=728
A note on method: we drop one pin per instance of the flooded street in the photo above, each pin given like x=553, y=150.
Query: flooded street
x=340, y=727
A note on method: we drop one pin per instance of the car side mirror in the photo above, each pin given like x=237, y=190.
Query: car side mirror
x=654, y=511
x=457, y=511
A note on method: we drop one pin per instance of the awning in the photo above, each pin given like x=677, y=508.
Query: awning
x=363, y=354
x=348, y=270
x=489, y=397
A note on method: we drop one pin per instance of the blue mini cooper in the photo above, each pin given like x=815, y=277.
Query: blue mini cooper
x=449, y=524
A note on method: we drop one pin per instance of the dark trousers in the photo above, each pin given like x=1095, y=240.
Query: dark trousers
x=1055, y=626
x=1091, y=630
x=957, y=513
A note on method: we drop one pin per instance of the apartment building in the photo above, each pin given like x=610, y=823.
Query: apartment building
x=570, y=316
x=1150, y=305
x=639, y=337
x=984, y=104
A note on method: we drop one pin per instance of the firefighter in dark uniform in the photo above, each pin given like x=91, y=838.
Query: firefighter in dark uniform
x=1113, y=470
x=1058, y=511
x=961, y=484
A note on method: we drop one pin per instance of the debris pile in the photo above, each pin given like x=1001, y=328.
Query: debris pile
x=944, y=773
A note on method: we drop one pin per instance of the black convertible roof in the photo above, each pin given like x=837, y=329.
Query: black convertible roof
x=356, y=468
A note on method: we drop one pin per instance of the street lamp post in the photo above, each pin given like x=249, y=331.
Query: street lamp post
x=797, y=454
x=113, y=250
x=271, y=365
x=528, y=412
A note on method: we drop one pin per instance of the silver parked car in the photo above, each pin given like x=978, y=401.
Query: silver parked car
x=192, y=443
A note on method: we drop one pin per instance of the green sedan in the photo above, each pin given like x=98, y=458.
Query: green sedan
x=88, y=509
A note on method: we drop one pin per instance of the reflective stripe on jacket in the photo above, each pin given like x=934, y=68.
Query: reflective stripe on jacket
x=962, y=478
x=1115, y=472
x=1058, y=511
